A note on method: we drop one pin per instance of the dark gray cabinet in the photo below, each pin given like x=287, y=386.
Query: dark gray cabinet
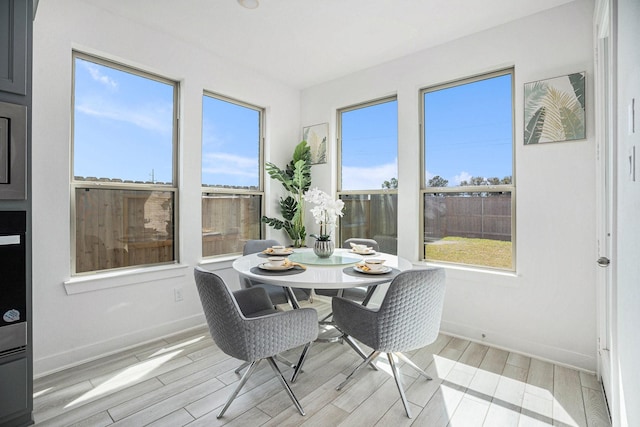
x=16, y=355
x=13, y=46
x=13, y=388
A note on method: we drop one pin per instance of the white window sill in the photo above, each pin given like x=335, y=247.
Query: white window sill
x=113, y=279
x=473, y=274
x=218, y=263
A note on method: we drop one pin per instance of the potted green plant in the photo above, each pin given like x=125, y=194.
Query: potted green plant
x=296, y=180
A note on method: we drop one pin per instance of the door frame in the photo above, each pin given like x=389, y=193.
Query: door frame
x=606, y=173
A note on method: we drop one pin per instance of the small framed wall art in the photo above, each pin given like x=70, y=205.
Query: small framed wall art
x=554, y=109
x=317, y=137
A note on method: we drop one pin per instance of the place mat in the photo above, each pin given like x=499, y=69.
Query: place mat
x=349, y=271
x=262, y=272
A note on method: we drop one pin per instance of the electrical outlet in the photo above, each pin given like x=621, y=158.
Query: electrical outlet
x=177, y=295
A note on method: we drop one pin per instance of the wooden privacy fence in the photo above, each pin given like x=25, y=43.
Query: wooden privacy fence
x=373, y=216
x=473, y=217
x=228, y=221
x=119, y=228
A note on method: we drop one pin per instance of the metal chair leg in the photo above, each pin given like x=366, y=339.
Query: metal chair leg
x=292, y=297
x=324, y=319
x=396, y=375
x=366, y=361
x=370, y=292
x=245, y=377
x=285, y=361
x=241, y=367
x=358, y=350
x=285, y=385
x=279, y=358
x=303, y=357
x=413, y=365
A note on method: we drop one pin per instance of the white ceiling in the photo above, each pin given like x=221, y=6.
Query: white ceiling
x=306, y=42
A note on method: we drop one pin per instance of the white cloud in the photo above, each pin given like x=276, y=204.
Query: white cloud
x=96, y=103
x=229, y=164
x=462, y=176
x=96, y=75
x=147, y=117
x=368, y=177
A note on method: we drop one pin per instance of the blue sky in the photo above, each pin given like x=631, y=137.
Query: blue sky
x=369, y=146
x=123, y=129
x=468, y=130
x=230, y=143
x=122, y=125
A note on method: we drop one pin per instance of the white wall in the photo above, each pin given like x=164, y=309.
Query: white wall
x=625, y=259
x=126, y=309
x=547, y=309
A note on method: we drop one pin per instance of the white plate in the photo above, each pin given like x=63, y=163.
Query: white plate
x=267, y=266
x=371, y=252
x=383, y=270
x=276, y=253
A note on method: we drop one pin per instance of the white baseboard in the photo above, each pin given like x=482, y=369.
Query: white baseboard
x=556, y=355
x=78, y=355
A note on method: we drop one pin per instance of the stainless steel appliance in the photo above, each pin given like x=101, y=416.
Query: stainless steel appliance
x=13, y=313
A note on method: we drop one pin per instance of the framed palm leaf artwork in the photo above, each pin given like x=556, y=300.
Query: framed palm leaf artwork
x=316, y=137
x=554, y=109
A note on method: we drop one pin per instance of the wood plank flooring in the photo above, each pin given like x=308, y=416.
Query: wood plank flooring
x=184, y=380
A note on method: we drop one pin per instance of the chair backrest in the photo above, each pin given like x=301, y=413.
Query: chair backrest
x=253, y=246
x=410, y=314
x=358, y=241
x=222, y=313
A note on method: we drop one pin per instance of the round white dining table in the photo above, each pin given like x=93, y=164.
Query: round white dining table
x=335, y=272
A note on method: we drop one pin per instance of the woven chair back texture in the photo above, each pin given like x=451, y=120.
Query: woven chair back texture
x=253, y=246
x=410, y=314
x=358, y=241
x=222, y=314
x=252, y=338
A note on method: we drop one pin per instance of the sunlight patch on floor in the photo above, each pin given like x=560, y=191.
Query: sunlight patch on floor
x=177, y=346
x=42, y=392
x=124, y=378
x=533, y=405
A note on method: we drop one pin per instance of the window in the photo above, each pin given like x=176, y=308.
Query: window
x=124, y=177
x=368, y=172
x=231, y=174
x=468, y=184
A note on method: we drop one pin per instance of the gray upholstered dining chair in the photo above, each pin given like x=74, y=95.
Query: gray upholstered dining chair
x=277, y=294
x=245, y=325
x=408, y=319
x=360, y=294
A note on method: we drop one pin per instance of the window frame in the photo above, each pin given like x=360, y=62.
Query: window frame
x=226, y=190
x=511, y=188
x=339, y=191
x=132, y=186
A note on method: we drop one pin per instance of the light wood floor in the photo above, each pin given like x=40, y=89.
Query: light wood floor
x=185, y=379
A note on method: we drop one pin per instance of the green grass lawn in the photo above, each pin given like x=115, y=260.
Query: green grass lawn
x=483, y=252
